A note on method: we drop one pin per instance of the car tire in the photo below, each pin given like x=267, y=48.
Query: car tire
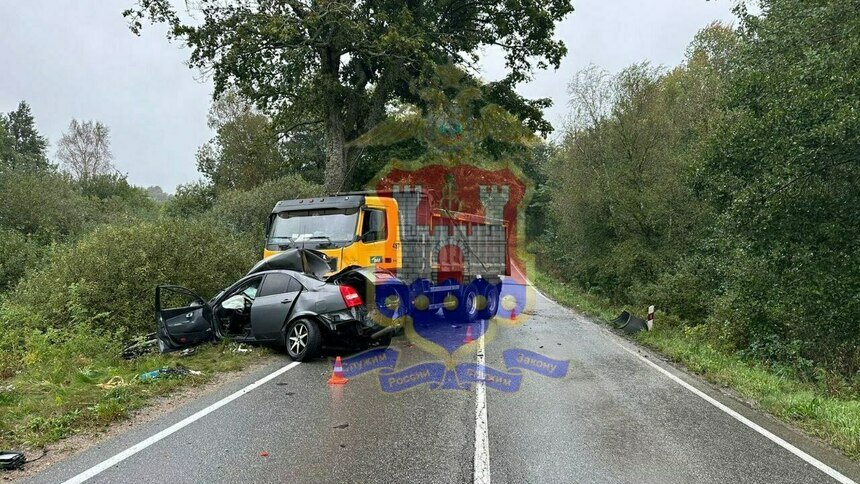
x=303, y=340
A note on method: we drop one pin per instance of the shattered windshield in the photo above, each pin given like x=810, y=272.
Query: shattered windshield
x=326, y=225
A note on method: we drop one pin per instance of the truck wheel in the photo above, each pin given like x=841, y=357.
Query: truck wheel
x=466, y=310
x=391, y=302
x=420, y=301
x=491, y=298
x=303, y=340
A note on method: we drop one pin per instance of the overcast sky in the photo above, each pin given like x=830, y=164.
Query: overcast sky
x=77, y=59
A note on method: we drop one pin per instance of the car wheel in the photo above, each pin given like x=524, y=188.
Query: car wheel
x=303, y=340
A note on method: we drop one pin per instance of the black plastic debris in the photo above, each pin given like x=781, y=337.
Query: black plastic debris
x=141, y=346
x=10, y=460
x=621, y=320
x=628, y=323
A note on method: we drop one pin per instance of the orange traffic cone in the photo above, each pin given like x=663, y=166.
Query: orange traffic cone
x=337, y=377
x=514, y=313
x=468, y=339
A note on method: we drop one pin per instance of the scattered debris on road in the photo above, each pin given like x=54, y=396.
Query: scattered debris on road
x=341, y=426
x=167, y=372
x=241, y=348
x=11, y=460
x=264, y=454
x=140, y=346
x=628, y=323
x=116, y=381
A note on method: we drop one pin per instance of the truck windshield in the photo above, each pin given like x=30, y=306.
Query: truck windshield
x=327, y=225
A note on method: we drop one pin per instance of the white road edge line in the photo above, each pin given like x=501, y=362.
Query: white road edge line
x=836, y=475
x=482, y=440
x=108, y=463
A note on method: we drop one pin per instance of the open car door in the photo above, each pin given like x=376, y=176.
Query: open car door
x=183, y=318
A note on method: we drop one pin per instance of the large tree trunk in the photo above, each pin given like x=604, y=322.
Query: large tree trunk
x=335, y=165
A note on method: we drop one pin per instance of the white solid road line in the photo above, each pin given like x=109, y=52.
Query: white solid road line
x=838, y=476
x=108, y=463
x=482, y=439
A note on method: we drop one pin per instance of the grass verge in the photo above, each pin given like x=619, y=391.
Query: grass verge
x=66, y=388
x=775, y=389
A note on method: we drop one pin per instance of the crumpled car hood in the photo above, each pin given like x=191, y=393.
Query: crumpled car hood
x=310, y=262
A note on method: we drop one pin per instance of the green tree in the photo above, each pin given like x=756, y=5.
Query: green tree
x=246, y=151
x=191, y=199
x=339, y=64
x=783, y=170
x=622, y=181
x=452, y=121
x=21, y=145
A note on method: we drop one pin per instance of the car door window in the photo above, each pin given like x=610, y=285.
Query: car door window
x=249, y=288
x=294, y=286
x=374, y=226
x=277, y=284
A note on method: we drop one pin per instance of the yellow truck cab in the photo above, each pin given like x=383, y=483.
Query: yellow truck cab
x=351, y=229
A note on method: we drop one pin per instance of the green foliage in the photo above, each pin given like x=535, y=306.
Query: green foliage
x=341, y=64
x=627, y=155
x=111, y=272
x=51, y=206
x=247, y=211
x=46, y=205
x=783, y=172
x=725, y=190
x=112, y=186
x=452, y=122
x=18, y=253
x=191, y=199
x=157, y=194
x=21, y=145
x=245, y=151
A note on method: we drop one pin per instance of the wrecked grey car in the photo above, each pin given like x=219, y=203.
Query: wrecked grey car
x=283, y=301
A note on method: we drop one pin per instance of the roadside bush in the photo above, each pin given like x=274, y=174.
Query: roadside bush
x=110, y=274
x=246, y=210
x=112, y=186
x=17, y=254
x=45, y=205
x=53, y=207
x=191, y=199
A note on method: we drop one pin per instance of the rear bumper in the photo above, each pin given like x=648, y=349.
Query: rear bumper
x=355, y=324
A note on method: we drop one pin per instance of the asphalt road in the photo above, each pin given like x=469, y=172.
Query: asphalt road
x=613, y=417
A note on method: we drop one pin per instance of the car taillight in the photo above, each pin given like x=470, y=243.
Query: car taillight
x=350, y=297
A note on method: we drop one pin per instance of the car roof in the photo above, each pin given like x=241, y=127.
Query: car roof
x=307, y=281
